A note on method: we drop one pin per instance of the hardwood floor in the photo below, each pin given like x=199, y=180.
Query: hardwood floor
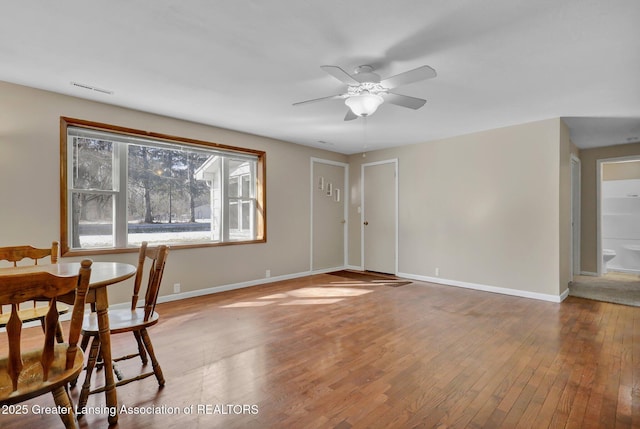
x=330, y=352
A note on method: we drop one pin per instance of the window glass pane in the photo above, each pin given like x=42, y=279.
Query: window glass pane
x=246, y=215
x=233, y=187
x=242, y=217
x=166, y=201
x=92, y=220
x=246, y=185
x=209, y=172
x=92, y=164
x=233, y=215
x=238, y=170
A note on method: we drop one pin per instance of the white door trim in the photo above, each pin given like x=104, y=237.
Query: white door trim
x=599, y=164
x=575, y=216
x=345, y=199
x=393, y=161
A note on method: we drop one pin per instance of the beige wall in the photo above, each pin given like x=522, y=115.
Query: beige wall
x=29, y=189
x=484, y=208
x=589, y=215
x=328, y=216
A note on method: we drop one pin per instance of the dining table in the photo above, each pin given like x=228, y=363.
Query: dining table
x=103, y=274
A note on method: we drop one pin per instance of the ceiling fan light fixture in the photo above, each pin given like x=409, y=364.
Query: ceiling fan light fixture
x=364, y=104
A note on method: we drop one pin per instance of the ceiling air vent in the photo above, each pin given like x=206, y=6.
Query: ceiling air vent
x=91, y=88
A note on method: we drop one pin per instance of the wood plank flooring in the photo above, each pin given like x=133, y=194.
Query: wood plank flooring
x=331, y=352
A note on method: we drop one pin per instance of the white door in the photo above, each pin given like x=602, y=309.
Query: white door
x=379, y=216
x=328, y=222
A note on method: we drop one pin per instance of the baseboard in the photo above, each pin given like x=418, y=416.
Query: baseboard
x=328, y=270
x=588, y=273
x=486, y=288
x=224, y=288
x=354, y=267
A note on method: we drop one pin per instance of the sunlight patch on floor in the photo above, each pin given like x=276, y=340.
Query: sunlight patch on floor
x=248, y=304
x=351, y=283
x=315, y=301
x=275, y=296
x=323, y=292
x=303, y=296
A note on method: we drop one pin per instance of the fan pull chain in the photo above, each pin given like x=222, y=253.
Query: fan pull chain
x=364, y=136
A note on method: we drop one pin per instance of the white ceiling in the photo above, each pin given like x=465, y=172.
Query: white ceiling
x=241, y=64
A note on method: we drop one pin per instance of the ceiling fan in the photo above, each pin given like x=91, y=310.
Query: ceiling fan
x=366, y=91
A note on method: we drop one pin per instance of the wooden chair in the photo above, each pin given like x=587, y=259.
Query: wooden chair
x=15, y=254
x=25, y=375
x=135, y=320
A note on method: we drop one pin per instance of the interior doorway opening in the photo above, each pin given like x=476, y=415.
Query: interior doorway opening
x=619, y=215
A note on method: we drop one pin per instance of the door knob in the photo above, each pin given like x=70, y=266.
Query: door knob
x=366, y=223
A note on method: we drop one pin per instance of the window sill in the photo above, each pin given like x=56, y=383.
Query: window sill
x=113, y=251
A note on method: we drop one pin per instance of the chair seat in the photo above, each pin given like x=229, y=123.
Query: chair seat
x=31, y=314
x=30, y=382
x=119, y=321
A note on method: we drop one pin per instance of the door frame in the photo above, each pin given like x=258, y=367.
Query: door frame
x=345, y=199
x=599, y=166
x=393, y=161
x=576, y=203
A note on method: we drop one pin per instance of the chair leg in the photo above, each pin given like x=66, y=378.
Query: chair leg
x=141, y=351
x=99, y=361
x=83, y=345
x=156, y=366
x=85, y=342
x=91, y=363
x=59, y=336
x=62, y=400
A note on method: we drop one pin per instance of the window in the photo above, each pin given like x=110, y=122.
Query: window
x=120, y=187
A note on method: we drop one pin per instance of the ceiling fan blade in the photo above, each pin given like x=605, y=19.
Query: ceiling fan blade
x=404, y=100
x=315, y=100
x=421, y=73
x=350, y=116
x=340, y=74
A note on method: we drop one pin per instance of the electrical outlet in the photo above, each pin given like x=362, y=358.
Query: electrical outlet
x=176, y=288
x=267, y=273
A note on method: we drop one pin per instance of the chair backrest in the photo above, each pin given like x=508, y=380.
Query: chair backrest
x=17, y=288
x=157, y=257
x=15, y=254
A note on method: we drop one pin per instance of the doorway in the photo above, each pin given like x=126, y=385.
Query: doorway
x=379, y=216
x=575, y=216
x=618, y=246
x=329, y=185
x=618, y=214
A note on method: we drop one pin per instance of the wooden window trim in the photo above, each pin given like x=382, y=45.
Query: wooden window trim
x=261, y=187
